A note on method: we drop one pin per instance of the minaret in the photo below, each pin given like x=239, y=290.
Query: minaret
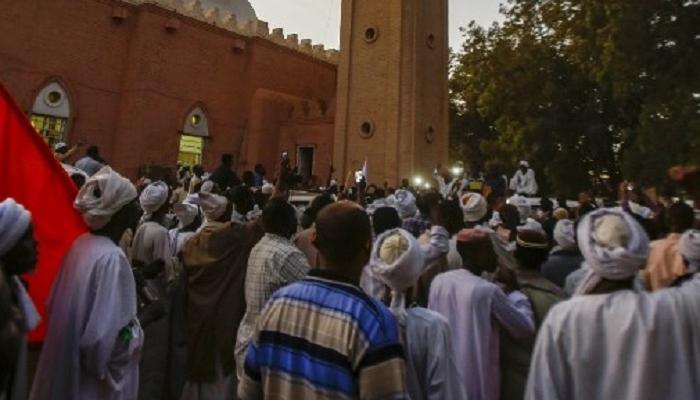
x=392, y=89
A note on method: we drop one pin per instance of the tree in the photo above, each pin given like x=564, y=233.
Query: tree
x=588, y=91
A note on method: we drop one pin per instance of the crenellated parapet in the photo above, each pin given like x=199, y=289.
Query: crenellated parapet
x=251, y=28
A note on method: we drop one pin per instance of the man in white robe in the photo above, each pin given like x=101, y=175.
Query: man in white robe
x=93, y=341
x=524, y=182
x=618, y=343
x=476, y=310
x=398, y=261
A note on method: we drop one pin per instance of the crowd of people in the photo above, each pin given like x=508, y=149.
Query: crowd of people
x=217, y=287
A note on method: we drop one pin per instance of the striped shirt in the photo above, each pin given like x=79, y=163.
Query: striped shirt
x=321, y=338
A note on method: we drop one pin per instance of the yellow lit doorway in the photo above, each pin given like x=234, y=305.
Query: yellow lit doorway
x=191, y=148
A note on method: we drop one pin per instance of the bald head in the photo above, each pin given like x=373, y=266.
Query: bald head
x=343, y=236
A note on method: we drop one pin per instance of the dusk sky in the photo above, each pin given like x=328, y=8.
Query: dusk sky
x=320, y=19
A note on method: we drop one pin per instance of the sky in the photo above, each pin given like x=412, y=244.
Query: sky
x=319, y=20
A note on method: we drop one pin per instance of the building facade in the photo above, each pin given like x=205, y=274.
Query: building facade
x=154, y=82
x=392, y=88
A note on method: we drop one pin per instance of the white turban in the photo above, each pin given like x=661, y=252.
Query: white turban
x=474, y=207
x=690, y=249
x=207, y=187
x=564, y=235
x=614, y=245
x=405, y=203
x=102, y=196
x=186, y=213
x=267, y=189
x=213, y=205
x=153, y=197
x=523, y=206
x=14, y=222
x=524, y=164
x=531, y=225
x=398, y=262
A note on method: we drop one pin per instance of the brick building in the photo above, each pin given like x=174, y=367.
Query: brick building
x=153, y=82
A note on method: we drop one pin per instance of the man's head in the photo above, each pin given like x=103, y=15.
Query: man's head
x=426, y=201
x=344, y=239
x=452, y=216
x=242, y=199
x=532, y=249
x=60, y=148
x=216, y=208
x=93, y=152
x=248, y=178
x=524, y=166
x=101, y=202
x=279, y=218
x=18, y=248
x=198, y=170
x=476, y=250
x=680, y=217
x=385, y=218
x=614, y=245
x=154, y=200
x=227, y=160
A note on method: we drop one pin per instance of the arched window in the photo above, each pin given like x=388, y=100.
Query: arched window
x=194, y=132
x=50, y=113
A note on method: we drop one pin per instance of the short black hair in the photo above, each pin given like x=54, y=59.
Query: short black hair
x=384, y=219
x=242, y=198
x=227, y=158
x=279, y=217
x=452, y=216
x=427, y=200
x=342, y=232
x=680, y=217
x=93, y=151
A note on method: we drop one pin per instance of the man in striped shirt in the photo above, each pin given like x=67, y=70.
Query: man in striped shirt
x=322, y=337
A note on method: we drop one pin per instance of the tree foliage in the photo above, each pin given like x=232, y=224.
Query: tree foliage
x=583, y=89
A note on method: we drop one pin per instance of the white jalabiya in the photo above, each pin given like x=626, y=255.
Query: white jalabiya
x=623, y=345
x=524, y=183
x=152, y=242
x=92, y=344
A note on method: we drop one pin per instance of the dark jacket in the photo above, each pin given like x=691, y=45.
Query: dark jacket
x=216, y=260
x=560, y=264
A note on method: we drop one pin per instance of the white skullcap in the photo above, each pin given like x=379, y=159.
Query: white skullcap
x=186, y=213
x=690, y=249
x=474, y=207
x=405, y=203
x=564, y=234
x=153, y=197
x=614, y=245
x=60, y=145
x=398, y=262
x=14, y=222
x=102, y=196
x=524, y=164
x=267, y=189
x=213, y=205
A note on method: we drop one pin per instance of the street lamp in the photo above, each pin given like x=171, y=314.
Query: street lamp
x=418, y=181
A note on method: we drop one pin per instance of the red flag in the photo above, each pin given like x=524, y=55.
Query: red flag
x=30, y=174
